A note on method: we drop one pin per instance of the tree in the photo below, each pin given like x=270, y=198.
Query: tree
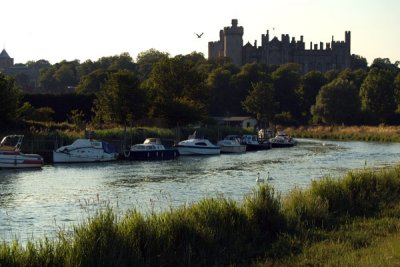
x=122, y=62
x=242, y=83
x=9, y=99
x=286, y=81
x=397, y=92
x=355, y=76
x=59, y=78
x=377, y=95
x=147, y=59
x=260, y=102
x=121, y=99
x=176, y=80
x=336, y=103
x=330, y=75
x=219, y=82
x=310, y=85
x=92, y=83
x=358, y=62
x=384, y=63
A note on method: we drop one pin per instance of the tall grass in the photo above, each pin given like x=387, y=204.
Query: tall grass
x=315, y=226
x=379, y=133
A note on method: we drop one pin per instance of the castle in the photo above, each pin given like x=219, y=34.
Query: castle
x=5, y=60
x=336, y=54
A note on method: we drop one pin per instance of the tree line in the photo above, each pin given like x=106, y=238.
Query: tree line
x=187, y=89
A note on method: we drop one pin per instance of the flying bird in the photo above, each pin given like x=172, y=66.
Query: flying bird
x=199, y=35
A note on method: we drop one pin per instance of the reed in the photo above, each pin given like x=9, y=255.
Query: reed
x=381, y=133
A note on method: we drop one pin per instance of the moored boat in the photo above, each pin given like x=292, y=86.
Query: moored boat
x=12, y=157
x=282, y=140
x=151, y=149
x=197, y=146
x=85, y=150
x=231, y=144
x=252, y=143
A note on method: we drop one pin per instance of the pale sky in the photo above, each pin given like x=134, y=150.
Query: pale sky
x=57, y=30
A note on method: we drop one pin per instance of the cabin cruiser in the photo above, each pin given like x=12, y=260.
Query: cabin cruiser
x=252, y=143
x=151, y=149
x=197, y=146
x=282, y=140
x=12, y=157
x=231, y=144
x=85, y=150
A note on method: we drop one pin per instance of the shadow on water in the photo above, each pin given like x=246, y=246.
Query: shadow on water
x=136, y=181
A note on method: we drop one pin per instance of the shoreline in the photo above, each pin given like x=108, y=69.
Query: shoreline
x=389, y=134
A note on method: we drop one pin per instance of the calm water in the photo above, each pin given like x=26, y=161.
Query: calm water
x=38, y=202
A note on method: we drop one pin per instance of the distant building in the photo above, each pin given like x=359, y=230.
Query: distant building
x=335, y=55
x=237, y=121
x=5, y=60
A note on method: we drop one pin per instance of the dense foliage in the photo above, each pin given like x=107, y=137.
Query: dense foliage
x=9, y=99
x=187, y=89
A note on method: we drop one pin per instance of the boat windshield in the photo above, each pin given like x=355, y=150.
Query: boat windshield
x=12, y=141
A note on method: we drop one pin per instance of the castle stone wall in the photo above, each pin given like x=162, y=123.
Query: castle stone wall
x=333, y=55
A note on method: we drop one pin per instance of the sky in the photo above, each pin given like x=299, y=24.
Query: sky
x=57, y=30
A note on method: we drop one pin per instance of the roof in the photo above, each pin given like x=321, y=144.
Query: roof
x=4, y=54
x=234, y=118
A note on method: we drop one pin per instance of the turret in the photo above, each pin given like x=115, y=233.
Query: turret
x=233, y=42
x=347, y=38
x=265, y=39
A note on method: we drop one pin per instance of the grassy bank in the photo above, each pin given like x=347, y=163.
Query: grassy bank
x=359, y=133
x=338, y=222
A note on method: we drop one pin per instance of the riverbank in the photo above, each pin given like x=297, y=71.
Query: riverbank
x=342, y=222
x=347, y=133
x=43, y=138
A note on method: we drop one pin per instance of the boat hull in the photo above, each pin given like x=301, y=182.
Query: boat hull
x=167, y=154
x=279, y=145
x=194, y=150
x=233, y=149
x=20, y=161
x=60, y=157
x=257, y=147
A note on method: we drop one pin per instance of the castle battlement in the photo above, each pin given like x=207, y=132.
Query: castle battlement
x=335, y=55
x=234, y=29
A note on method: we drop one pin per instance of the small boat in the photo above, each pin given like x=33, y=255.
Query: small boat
x=252, y=143
x=282, y=140
x=85, y=150
x=151, y=149
x=197, y=146
x=12, y=157
x=231, y=144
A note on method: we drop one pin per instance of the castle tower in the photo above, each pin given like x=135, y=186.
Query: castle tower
x=233, y=42
x=348, y=48
x=5, y=60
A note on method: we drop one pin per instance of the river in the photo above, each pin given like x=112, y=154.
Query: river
x=36, y=203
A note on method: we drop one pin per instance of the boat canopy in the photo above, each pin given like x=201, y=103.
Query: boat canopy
x=108, y=148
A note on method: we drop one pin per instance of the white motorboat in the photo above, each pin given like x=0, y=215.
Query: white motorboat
x=197, y=146
x=85, y=150
x=231, y=144
x=282, y=140
x=151, y=149
x=12, y=157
